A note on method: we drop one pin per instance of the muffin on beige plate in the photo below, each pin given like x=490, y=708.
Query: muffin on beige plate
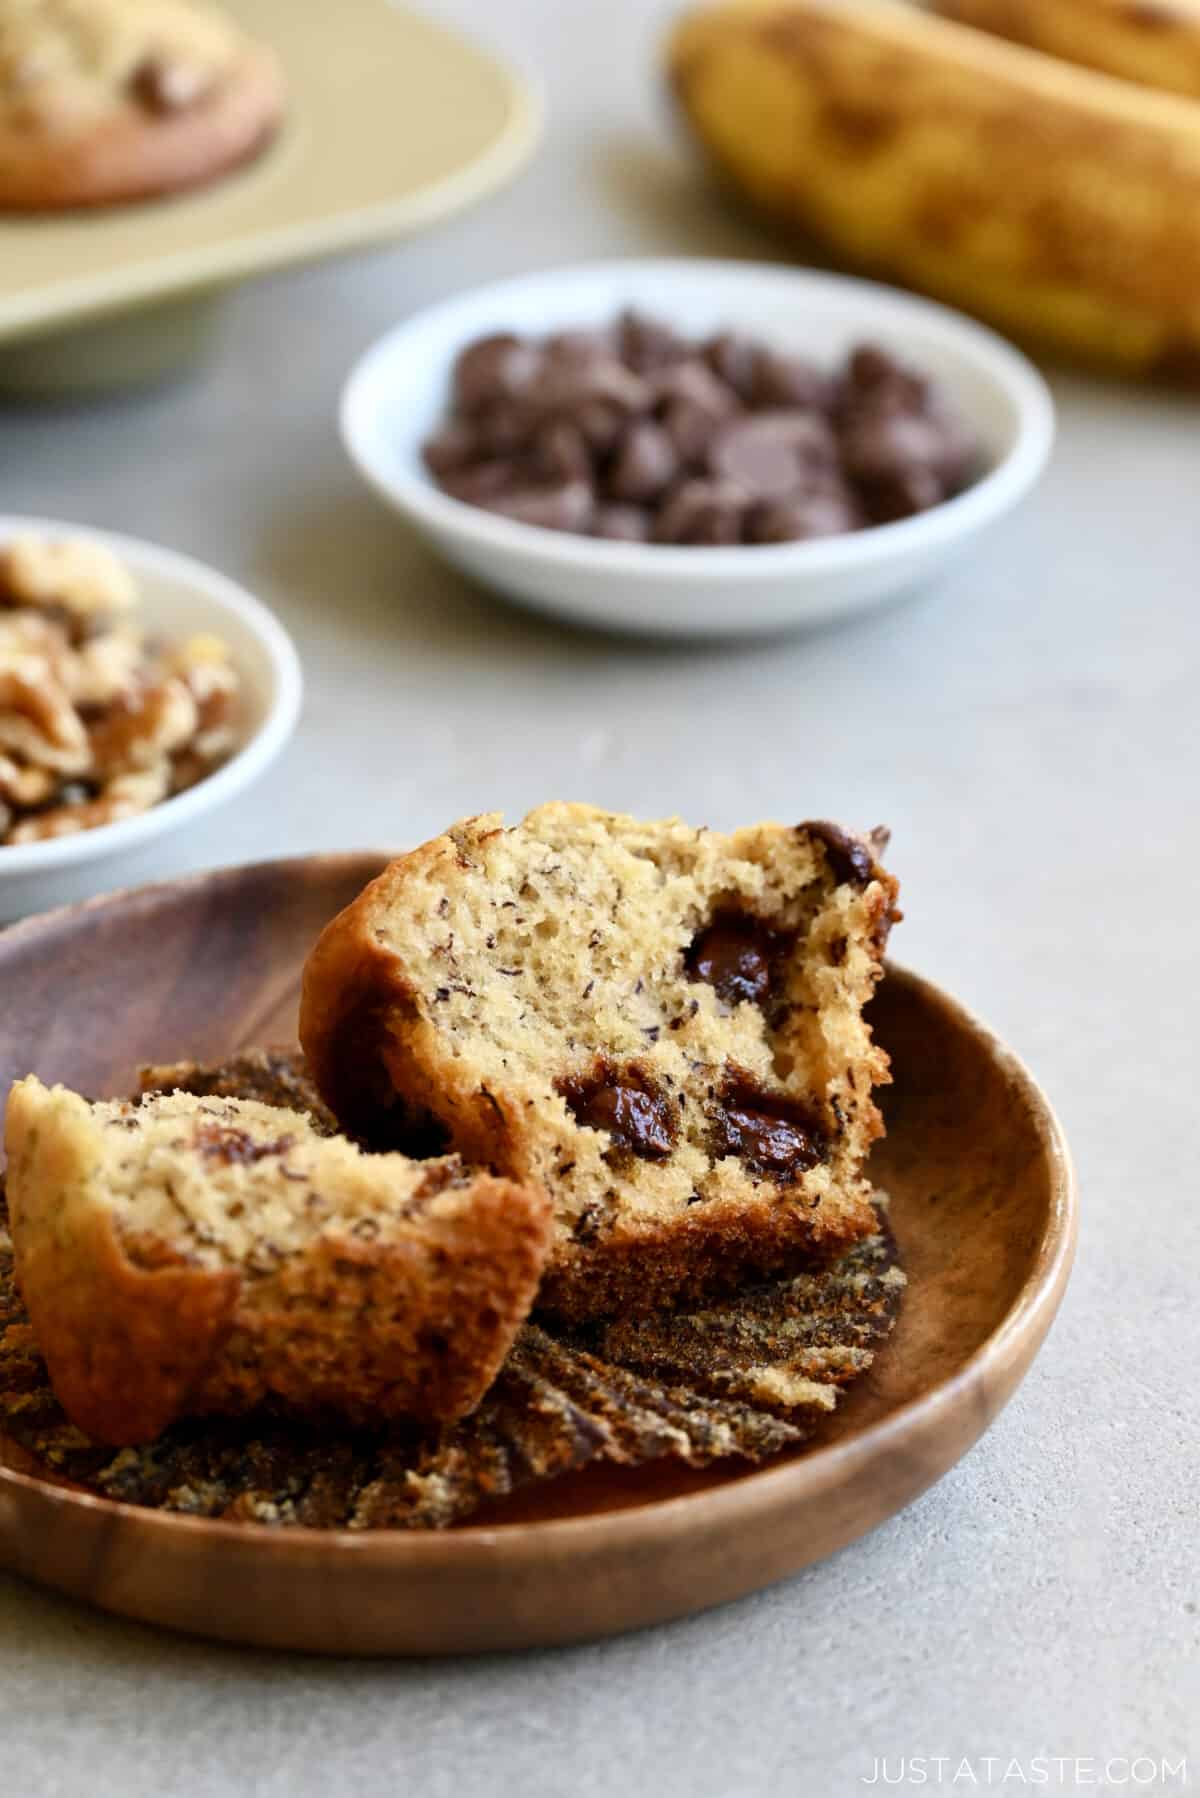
x=103, y=101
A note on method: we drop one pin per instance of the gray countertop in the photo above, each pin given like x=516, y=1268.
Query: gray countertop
x=1029, y=731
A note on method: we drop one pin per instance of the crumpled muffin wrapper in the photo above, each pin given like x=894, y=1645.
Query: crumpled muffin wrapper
x=749, y=1377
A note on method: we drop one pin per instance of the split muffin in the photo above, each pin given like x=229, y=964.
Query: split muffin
x=187, y=1255
x=660, y=1025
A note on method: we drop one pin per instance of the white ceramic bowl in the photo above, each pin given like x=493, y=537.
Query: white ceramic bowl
x=179, y=597
x=400, y=389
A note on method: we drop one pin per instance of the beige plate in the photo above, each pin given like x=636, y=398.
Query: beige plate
x=393, y=123
x=983, y=1202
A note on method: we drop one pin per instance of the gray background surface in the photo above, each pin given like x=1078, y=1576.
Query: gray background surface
x=1029, y=731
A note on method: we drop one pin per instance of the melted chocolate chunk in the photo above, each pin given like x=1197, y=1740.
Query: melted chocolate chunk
x=737, y=956
x=849, y=858
x=627, y=1103
x=769, y=1133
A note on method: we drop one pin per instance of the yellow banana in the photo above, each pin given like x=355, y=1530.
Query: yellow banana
x=1153, y=41
x=1061, y=204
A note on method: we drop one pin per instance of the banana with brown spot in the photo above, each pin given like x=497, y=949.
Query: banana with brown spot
x=1061, y=204
x=1156, y=42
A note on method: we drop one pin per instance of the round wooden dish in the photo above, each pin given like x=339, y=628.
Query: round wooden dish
x=983, y=1204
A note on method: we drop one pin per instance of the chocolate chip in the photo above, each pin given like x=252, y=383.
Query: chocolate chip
x=482, y=482
x=505, y=427
x=877, y=448
x=692, y=404
x=227, y=1144
x=902, y=495
x=601, y=425
x=871, y=369
x=451, y=448
x=735, y=359
x=645, y=345
x=805, y=516
x=646, y=463
x=736, y=955
x=560, y=452
x=579, y=346
x=790, y=381
x=566, y=507
x=702, y=512
x=565, y=386
x=622, y=524
x=961, y=459
x=625, y=1102
x=694, y=382
x=769, y=1133
x=163, y=84
x=495, y=368
x=772, y=454
x=691, y=430
x=587, y=1224
x=850, y=859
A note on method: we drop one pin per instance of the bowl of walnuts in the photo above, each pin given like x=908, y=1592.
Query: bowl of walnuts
x=138, y=689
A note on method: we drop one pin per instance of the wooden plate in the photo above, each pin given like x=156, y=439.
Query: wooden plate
x=983, y=1203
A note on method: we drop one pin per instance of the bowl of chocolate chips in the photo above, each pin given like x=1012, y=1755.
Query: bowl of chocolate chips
x=697, y=448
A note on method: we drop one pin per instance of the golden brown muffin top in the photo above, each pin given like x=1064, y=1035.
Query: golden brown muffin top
x=66, y=63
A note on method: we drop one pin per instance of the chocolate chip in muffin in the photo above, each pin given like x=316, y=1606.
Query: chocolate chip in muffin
x=737, y=955
x=166, y=84
x=769, y=1133
x=849, y=858
x=626, y=1102
x=234, y=1147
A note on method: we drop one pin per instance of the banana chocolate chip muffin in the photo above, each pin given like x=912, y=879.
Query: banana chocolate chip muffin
x=109, y=100
x=187, y=1255
x=664, y=1026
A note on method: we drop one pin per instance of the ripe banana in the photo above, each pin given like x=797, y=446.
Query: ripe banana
x=1059, y=203
x=1153, y=41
